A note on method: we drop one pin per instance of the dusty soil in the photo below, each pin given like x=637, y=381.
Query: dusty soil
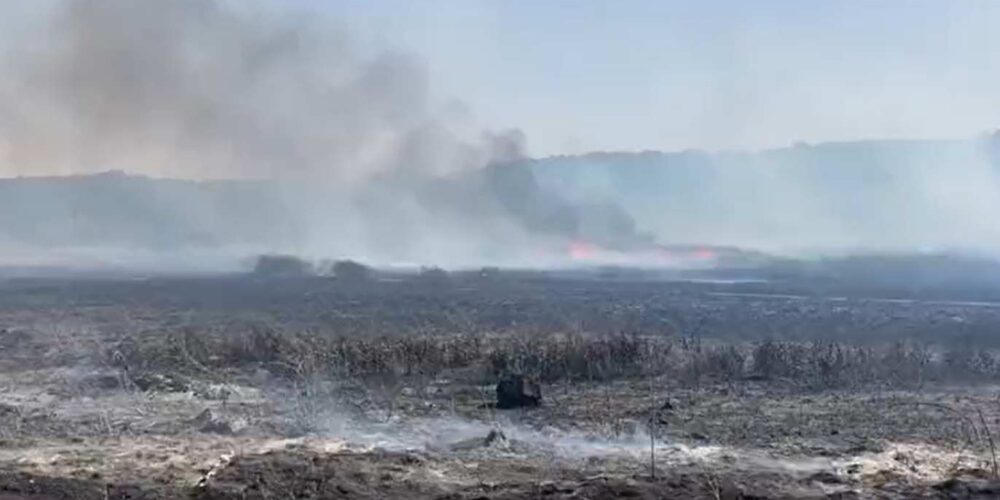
x=81, y=418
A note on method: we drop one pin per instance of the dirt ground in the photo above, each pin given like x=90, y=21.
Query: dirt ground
x=82, y=416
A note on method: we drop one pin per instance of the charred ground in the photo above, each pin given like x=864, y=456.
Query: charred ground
x=250, y=386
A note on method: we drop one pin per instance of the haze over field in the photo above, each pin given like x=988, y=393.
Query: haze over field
x=296, y=127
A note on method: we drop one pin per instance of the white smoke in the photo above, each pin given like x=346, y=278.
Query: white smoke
x=208, y=89
x=354, y=154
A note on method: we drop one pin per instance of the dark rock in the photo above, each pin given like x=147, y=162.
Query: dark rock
x=968, y=487
x=699, y=436
x=518, y=391
x=826, y=477
x=665, y=411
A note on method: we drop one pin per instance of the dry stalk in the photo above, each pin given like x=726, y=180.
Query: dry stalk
x=941, y=406
x=989, y=436
x=652, y=426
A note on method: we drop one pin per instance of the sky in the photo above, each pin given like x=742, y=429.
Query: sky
x=579, y=76
x=397, y=115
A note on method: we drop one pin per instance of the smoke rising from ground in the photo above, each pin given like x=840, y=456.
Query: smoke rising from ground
x=353, y=153
x=209, y=89
x=339, y=151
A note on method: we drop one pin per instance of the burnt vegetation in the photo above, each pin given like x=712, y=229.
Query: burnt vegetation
x=278, y=352
x=555, y=329
x=798, y=365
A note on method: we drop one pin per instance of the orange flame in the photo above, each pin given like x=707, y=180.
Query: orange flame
x=582, y=250
x=704, y=254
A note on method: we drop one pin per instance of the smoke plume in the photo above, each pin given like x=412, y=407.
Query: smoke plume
x=284, y=135
x=354, y=154
x=206, y=89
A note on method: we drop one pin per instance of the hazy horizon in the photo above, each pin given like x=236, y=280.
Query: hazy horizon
x=408, y=131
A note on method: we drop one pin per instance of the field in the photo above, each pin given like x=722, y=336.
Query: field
x=254, y=386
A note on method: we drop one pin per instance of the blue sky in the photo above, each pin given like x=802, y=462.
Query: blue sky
x=632, y=75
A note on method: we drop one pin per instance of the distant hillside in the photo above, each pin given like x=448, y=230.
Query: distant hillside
x=118, y=210
x=845, y=195
x=857, y=195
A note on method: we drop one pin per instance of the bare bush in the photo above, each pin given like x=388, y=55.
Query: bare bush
x=576, y=357
x=418, y=360
x=349, y=271
x=434, y=277
x=281, y=265
x=970, y=364
x=722, y=363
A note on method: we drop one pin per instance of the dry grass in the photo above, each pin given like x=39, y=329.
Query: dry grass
x=805, y=365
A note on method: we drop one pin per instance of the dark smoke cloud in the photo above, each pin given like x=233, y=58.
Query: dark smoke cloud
x=515, y=189
x=355, y=154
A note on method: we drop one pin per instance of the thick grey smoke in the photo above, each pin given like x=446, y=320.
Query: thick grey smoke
x=339, y=151
x=207, y=89
x=353, y=153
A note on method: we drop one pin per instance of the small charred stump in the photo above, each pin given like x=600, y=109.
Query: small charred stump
x=518, y=391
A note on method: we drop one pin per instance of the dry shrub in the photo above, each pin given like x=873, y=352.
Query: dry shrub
x=831, y=365
x=434, y=277
x=349, y=271
x=718, y=363
x=579, y=357
x=419, y=359
x=281, y=265
x=969, y=364
x=902, y=364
